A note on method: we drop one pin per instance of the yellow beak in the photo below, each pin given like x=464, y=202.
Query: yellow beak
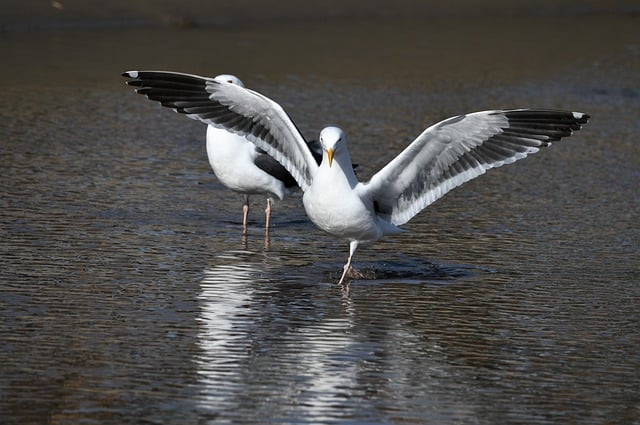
x=330, y=156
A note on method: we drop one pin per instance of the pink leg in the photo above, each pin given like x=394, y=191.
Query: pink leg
x=268, y=214
x=348, y=270
x=345, y=270
x=245, y=214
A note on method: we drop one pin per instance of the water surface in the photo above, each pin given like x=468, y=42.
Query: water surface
x=129, y=295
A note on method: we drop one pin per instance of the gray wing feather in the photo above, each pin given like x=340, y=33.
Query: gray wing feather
x=459, y=149
x=234, y=108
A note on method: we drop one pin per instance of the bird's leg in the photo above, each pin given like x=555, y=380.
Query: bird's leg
x=267, y=212
x=267, y=226
x=348, y=270
x=345, y=270
x=245, y=214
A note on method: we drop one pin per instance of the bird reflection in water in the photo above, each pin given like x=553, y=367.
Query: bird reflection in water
x=261, y=337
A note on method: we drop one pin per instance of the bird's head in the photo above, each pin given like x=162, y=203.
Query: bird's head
x=227, y=78
x=332, y=140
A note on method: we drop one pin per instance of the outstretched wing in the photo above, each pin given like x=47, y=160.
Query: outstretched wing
x=459, y=149
x=234, y=108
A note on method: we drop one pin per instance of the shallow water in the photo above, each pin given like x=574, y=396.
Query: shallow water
x=128, y=294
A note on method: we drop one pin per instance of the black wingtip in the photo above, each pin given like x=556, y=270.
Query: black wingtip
x=581, y=117
x=130, y=74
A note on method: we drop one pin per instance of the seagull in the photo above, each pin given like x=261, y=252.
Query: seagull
x=444, y=156
x=237, y=162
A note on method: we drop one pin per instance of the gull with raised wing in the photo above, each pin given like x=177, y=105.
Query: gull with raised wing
x=237, y=163
x=442, y=157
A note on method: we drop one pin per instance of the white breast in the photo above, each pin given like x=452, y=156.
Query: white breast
x=337, y=208
x=232, y=159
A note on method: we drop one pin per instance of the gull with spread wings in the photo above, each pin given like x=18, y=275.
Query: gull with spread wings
x=442, y=157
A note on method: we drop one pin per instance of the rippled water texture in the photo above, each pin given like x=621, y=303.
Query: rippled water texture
x=128, y=294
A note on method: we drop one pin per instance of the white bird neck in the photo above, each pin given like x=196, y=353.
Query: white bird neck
x=340, y=168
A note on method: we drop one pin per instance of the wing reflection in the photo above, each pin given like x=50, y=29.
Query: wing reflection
x=226, y=290
x=275, y=349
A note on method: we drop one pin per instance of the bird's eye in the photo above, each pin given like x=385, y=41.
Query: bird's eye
x=229, y=81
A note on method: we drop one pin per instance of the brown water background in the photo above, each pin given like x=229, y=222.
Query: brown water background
x=128, y=294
